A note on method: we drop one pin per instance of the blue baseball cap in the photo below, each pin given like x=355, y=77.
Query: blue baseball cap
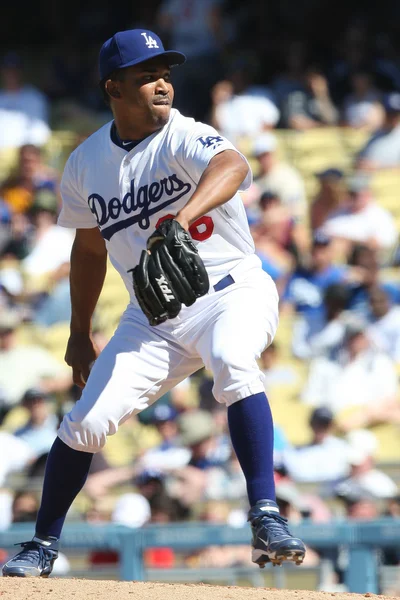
x=131, y=47
x=320, y=238
x=391, y=102
x=163, y=412
x=330, y=173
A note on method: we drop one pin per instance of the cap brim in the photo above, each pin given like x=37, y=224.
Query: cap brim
x=175, y=59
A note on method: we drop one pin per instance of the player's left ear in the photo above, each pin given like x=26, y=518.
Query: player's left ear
x=112, y=88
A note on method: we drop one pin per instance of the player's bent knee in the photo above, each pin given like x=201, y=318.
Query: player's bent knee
x=84, y=436
x=236, y=376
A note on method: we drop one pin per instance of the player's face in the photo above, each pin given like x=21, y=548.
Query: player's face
x=147, y=92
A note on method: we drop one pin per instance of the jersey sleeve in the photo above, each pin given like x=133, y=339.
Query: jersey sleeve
x=75, y=212
x=200, y=145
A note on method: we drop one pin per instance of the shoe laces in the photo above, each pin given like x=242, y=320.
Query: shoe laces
x=275, y=522
x=30, y=553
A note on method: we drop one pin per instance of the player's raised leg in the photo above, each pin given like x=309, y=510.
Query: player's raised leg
x=246, y=321
x=134, y=369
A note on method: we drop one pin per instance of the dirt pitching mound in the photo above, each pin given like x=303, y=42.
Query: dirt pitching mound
x=85, y=589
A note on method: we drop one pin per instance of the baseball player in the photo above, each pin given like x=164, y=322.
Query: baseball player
x=158, y=192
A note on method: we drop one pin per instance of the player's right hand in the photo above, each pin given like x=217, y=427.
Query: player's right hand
x=80, y=355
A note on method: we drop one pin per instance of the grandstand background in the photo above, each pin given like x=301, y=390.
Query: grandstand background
x=322, y=87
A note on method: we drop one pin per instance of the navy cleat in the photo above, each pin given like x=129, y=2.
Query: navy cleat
x=272, y=540
x=36, y=559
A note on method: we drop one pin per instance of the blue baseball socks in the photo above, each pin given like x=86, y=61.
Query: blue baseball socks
x=252, y=434
x=66, y=473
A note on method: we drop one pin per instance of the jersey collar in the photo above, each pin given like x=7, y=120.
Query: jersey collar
x=126, y=145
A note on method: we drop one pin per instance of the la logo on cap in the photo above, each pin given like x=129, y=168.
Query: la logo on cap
x=150, y=42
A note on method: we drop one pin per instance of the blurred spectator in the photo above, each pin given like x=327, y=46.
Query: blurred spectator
x=305, y=289
x=238, y=112
x=290, y=78
x=16, y=249
x=50, y=244
x=393, y=507
x=164, y=419
x=25, y=507
x=45, y=268
x=41, y=427
x=276, y=176
x=16, y=456
x=312, y=106
x=218, y=512
x=5, y=228
x=384, y=329
x=292, y=503
x=364, y=478
x=361, y=220
x=30, y=174
x=131, y=510
x=382, y=151
x=322, y=334
x=313, y=462
x=275, y=371
x=169, y=454
x=363, y=275
x=352, y=54
x=362, y=108
x=23, y=108
x=359, y=506
x=26, y=366
x=278, y=238
x=197, y=431
x=329, y=197
x=360, y=387
x=195, y=28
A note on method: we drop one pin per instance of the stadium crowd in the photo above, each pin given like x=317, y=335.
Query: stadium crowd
x=326, y=235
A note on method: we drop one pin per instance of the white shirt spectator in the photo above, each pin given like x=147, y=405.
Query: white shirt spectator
x=309, y=341
x=385, y=333
x=132, y=510
x=245, y=115
x=16, y=455
x=23, y=118
x=287, y=183
x=314, y=463
x=373, y=222
x=51, y=251
x=366, y=380
x=24, y=367
x=383, y=149
x=358, y=112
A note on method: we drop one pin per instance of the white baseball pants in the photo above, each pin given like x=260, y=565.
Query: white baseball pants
x=226, y=331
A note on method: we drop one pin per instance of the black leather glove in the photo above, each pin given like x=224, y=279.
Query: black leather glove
x=170, y=273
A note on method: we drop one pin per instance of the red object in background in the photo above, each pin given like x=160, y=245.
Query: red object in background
x=103, y=557
x=159, y=558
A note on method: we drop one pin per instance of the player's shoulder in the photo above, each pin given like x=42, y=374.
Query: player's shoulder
x=187, y=126
x=90, y=146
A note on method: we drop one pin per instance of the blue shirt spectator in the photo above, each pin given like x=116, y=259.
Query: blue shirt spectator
x=305, y=288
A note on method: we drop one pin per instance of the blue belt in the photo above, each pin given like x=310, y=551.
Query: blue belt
x=224, y=283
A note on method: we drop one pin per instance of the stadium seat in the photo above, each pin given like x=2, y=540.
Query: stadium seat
x=353, y=139
x=316, y=149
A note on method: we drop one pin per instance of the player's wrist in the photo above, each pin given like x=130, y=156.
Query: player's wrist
x=183, y=221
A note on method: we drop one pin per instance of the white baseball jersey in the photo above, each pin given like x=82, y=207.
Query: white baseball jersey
x=125, y=194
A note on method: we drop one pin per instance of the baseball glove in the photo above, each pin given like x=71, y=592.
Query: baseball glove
x=170, y=273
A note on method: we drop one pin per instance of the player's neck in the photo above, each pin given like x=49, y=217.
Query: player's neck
x=132, y=131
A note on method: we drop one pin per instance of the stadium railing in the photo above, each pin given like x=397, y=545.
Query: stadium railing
x=362, y=540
